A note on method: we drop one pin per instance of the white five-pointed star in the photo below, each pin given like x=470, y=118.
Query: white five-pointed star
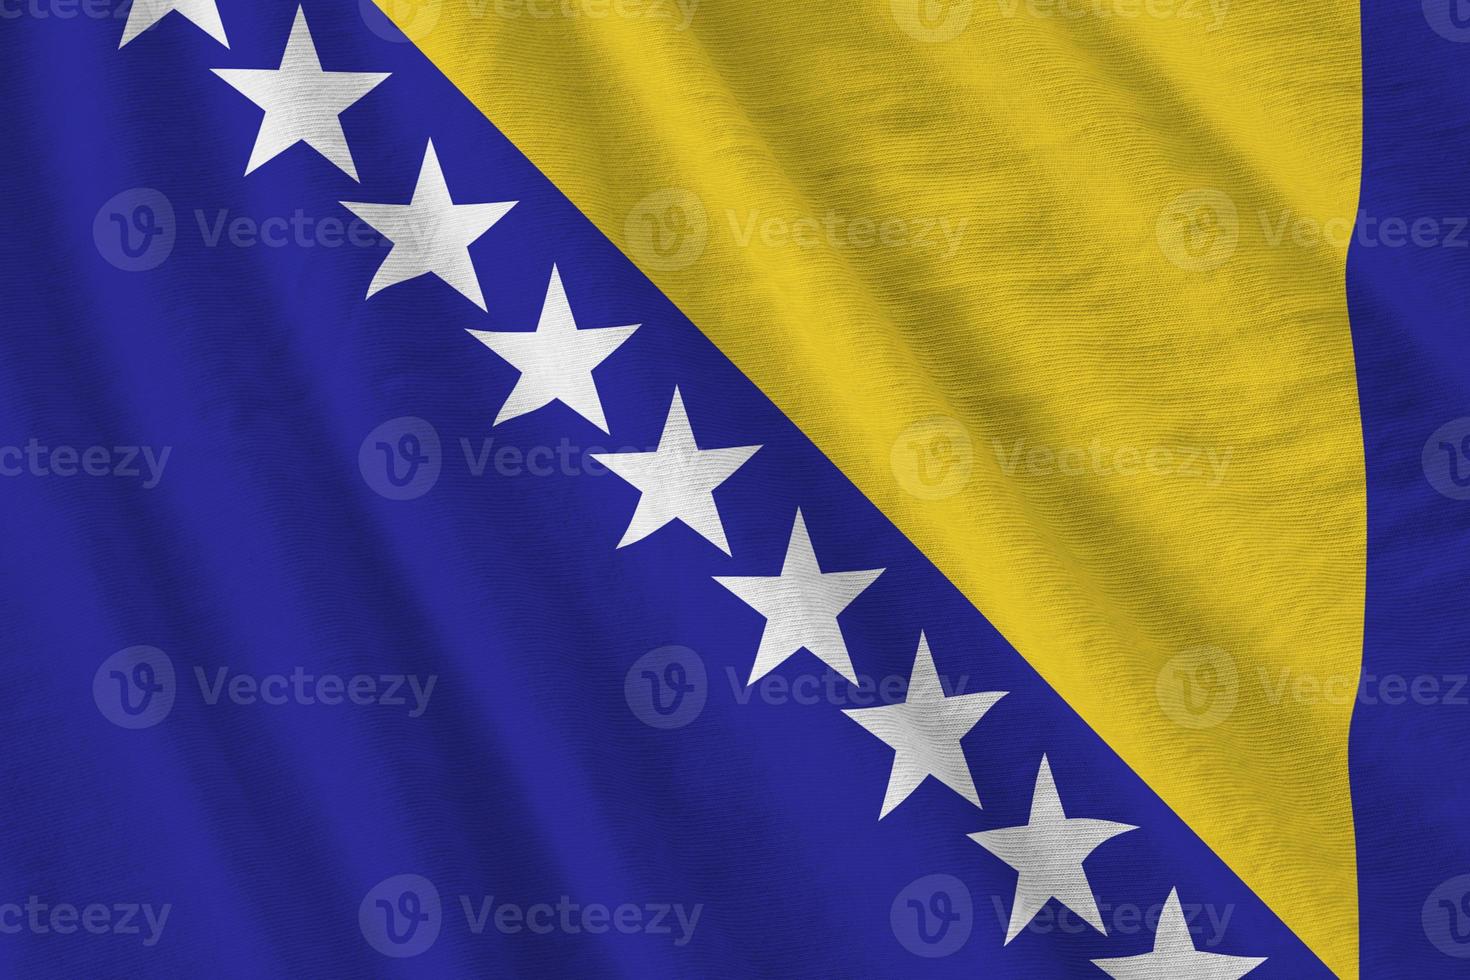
x=925, y=732
x=556, y=360
x=145, y=13
x=431, y=233
x=678, y=480
x=801, y=607
x=1174, y=955
x=301, y=102
x=1048, y=853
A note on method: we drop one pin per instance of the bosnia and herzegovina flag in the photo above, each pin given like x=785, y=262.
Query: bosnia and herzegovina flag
x=661, y=488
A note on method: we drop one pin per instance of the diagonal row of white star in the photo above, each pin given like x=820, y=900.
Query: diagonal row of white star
x=431, y=234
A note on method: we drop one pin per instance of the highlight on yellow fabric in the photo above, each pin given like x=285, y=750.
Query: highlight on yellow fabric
x=1060, y=285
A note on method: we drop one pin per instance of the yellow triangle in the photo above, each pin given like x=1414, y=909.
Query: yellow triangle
x=1060, y=285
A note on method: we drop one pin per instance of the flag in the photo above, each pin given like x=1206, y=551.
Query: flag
x=655, y=488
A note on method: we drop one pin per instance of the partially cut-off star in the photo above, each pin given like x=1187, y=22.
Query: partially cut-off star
x=302, y=103
x=555, y=360
x=431, y=234
x=1047, y=854
x=1174, y=955
x=801, y=606
x=925, y=732
x=145, y=13
x=678, y=480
